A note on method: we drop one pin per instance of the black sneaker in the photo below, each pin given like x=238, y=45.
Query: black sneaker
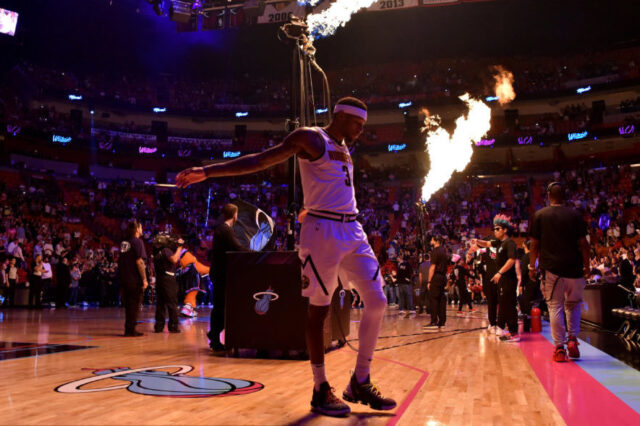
x=368, y=394
x=325, y=402
x=216, y=346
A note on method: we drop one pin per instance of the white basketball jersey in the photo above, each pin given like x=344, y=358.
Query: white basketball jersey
x=327, y=183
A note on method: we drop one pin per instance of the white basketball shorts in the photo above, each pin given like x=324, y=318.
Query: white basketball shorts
x=330, y=249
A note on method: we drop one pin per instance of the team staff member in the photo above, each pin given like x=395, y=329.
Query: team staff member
x=133, y=275
x=165, y=265
x=436, y=283
x=559, y=238
x=506, y=277
x=224, y=240
x=332, y=243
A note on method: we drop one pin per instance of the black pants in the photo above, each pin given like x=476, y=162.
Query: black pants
x=47, y=289
x=423, y=300
x=438, y=300
x=166, y=300
x=465, y=297
x=507, y=299
x=131, y=299
x=11, y=293
x=491, y=292
x=62, y=292
x=217, y=313
x=35, y=291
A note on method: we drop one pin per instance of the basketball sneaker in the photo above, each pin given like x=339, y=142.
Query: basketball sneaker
x=188, y=311
x=510, y=338
x=560, y=355
x=367, y=394
x=572, y=347
x=325, y=402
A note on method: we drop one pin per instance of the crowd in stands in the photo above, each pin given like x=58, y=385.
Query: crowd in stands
x=383, y=85
x=84, y=220
x=380, y=84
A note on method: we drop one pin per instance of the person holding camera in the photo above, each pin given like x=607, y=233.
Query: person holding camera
x=165, y=262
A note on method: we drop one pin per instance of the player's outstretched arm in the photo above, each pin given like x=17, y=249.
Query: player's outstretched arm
x=303, y=142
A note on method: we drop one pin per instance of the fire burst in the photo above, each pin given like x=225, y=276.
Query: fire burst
x=326, y=23
x=503, y=85
x=449, y=153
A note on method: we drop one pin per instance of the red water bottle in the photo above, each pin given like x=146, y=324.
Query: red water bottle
x=536, y=322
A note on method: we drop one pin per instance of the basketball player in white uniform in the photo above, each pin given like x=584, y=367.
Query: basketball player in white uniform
x=332, y=243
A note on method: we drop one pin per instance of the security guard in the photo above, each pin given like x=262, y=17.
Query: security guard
x=165, y=262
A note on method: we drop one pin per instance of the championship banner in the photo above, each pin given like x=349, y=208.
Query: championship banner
x=281, y=12
x=384, y=5
x=254, y=227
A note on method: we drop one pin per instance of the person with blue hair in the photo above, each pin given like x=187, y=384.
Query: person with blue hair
x=506, y=278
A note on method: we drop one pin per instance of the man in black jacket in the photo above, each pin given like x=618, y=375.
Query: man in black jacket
x=224, y=240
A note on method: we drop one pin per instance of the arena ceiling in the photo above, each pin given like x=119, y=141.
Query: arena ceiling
x=127, y=34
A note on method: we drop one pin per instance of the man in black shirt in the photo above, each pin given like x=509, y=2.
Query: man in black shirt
x=558, y=237
x=133, y=276
x=436, y=283
x=405, y=275
x=505, y=277
x=165, y=264
x=224, y=240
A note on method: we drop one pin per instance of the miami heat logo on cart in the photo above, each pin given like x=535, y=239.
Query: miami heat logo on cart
x=263, y=299
x=155, y=382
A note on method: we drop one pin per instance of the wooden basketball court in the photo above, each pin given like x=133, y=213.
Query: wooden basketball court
x=73, y=367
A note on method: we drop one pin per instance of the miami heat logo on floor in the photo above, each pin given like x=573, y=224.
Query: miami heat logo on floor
x=263, y=299
x=152, y=381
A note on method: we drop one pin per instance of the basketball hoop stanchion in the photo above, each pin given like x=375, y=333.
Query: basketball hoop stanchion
x=302, y=102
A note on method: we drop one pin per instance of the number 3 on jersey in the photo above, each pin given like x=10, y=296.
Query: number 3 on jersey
x=347, y=181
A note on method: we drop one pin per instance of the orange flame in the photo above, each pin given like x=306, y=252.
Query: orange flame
x=503, y=85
